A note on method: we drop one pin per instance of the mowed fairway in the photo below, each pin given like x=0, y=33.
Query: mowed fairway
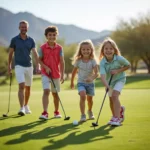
x=28, y=132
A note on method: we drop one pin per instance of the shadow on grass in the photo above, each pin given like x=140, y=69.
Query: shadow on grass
x=74, y=134
x=9, y=116
x=19, y=129
x=75, y=138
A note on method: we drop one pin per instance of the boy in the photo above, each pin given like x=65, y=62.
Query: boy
x=52, y=63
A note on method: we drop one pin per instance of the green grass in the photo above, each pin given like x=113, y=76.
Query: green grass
x=22, y=133
x=133, y=82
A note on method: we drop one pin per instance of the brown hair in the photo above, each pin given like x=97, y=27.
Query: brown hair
x=51, y=29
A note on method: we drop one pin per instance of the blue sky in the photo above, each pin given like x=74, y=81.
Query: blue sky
x=95, y=15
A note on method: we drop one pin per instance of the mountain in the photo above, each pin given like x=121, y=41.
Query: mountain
x=104, y=34
x=71, y=33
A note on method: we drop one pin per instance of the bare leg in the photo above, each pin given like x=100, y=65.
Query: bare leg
x=111, y=106
x=45, y=99
x=56, y=101
x=116, y=103
x=21, y=94
x=27, y=94
x=82, y=102
x=90, y=102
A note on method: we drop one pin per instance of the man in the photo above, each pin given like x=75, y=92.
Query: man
x=21, y=46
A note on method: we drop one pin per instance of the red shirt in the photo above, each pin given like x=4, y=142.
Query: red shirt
x=51, y=58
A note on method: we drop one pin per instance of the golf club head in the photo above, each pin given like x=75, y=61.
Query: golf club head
x=67, y=118
x=94, y=124
x=5, y=115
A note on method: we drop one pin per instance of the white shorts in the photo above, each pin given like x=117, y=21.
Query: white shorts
x=24, y=75
x=118, y=87
x=46, y=81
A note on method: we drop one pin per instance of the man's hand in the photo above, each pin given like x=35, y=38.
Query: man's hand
x=38, y=69
x=9, y=70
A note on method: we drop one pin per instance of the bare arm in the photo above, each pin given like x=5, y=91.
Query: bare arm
x=94, y=76
x=116, y=71
x=74, y=72
x=104, y=81
x=95, y=72
x=48, y=70
x=10, y=55
x=62, y=68
x=36, y=60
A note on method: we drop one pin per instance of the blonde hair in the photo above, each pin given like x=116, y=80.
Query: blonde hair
x=78, y=55
x=113, y=44
x=24, y=22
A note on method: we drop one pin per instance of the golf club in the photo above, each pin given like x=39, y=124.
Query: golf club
x=96, y=124
x=66, y=118
x=6, y=115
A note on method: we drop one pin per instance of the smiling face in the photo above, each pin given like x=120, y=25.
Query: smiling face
x=51, y=37
x=23, y=27
x=86, y=50
x=108, y=51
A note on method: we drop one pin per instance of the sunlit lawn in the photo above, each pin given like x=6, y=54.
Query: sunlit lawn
x=28, y=132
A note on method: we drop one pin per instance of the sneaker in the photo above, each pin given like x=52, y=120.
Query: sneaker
x=122, y=116
x=44, y=115
x=27, y=109
x=90, y=114
x=57, y=114
x=83, y=118
x=116, y=122
x=111, y=120
x=21, y=112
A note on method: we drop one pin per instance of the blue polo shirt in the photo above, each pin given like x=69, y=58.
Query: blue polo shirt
x=22, y=50
x=116, y=63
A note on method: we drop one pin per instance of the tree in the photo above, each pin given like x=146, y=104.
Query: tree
x=69, y=51
x=3, y=61
x=133, y=38
x=124, y=39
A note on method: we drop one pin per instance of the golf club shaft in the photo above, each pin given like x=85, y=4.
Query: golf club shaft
x=103, y=100
x=9, y=93
x=57, y=94
x=101, y=107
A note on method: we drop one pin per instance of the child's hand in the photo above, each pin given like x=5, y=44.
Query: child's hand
x=48, y=70
x=89, y=79
x=62, y=79
x=72, y=85
x=114, y=71
x=107, y=88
